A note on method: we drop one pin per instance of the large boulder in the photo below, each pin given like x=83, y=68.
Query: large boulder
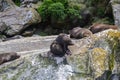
x=17, y=19
x=97, y=56
x=93, y=58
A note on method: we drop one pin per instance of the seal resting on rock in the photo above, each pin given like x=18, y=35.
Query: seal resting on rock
x=59, y=46
x=100, y=27
x=79, y=33
x=6, y=57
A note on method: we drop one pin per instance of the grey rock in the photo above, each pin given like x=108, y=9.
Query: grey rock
x=26, y=44
x=17, y=19
x=2, y=37
x=28, y=32
x=89, y=59
x=29, y=3
x=12, y=38
x=3, y=27
x=116, y=11
x=6, y=4
x=115, y=77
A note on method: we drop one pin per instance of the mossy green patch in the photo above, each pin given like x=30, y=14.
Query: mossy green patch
x=114, y=41
x=99, y=61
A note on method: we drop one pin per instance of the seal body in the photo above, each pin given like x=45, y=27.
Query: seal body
x=59, y=46
x=101, y=27
x=79, y=33
x=6, y=57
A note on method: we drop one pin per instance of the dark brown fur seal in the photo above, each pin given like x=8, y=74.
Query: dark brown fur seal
x=79, y=33
x=59, y=46
x=5, y=57
x=100, y=27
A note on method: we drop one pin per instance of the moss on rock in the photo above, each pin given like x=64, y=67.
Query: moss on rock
x=98, y=59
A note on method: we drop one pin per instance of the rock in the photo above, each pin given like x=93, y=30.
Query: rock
x=114, y=77
x=17, y=19
x=2, y=37
x=106, y=75
x=27, y=44
x=12, y=38
x=90, y=59
x=35, y=35
x=28, y=32
x=3, y=27
x=90, y=55
x=30, y=3
x=99, y=61
x=6, y=4
x=116, y=11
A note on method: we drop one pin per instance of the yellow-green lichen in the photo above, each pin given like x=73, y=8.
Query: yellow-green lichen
x=113, y=38
x=113, y=34
x=114, y=41
x=98, y=61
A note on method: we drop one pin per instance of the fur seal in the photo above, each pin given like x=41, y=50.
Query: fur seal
x=59, y=46
x=79, y=33
x=101, y=27
x=6, y=57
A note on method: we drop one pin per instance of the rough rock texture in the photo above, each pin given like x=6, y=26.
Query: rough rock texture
x=93, y=52
x=17, y=19
x=89, y=60
x=30, y=3
x=116, y=11
x=6, y=4
x=3, y=27
x=98, y=53
x=2, y=37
